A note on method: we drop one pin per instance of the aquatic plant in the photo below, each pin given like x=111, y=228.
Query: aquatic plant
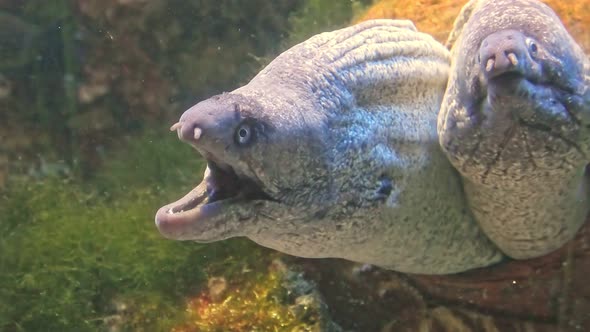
x=68, y=251
x=75, y=256
x=83, y=256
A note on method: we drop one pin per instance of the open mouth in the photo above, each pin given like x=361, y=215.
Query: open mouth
x=507, y=79
x=220, y=188
x=508, y=84
x=509, y=75
x=221, y=183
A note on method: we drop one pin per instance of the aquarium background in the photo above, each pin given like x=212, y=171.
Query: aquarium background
x=88, y=90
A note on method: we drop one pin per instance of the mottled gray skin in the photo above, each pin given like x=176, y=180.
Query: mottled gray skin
x=332, y=151
x=515, y=122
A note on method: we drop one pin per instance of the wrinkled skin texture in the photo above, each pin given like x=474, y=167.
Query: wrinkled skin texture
x=332, y=151
x=515, y=122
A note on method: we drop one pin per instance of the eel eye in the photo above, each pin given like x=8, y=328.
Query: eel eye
x=532, y=46
x=244, y=134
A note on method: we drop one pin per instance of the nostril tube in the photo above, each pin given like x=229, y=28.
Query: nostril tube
x=197, y=133
x=490, y=65
x=512, y=58
x=187, y=132
x=175, y=126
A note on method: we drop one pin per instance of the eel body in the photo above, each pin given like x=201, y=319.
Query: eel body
x=332, y=151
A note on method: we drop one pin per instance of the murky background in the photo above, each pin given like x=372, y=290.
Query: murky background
x=88, y=90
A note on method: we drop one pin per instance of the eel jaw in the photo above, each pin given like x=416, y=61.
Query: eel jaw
x=204, y=212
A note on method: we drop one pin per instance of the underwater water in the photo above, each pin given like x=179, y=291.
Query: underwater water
x=88, y=92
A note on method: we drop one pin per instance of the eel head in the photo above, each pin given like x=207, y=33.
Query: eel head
x=259, y=171
x=522, y=100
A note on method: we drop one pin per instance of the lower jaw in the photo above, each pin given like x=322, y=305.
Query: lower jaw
x=203, y=220
x=171, y=222
x=194, y=224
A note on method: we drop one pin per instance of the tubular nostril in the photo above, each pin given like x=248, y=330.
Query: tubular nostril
x=175, y=126
x=189, y=132
x=512, y=58
x=490, y=64
x=197, y=133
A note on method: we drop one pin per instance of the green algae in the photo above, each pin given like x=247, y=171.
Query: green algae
x=86, y=256
x=72, y=254
x=69, y=249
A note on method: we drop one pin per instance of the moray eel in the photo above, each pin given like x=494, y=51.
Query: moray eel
x=332, y=151
x=515, y=122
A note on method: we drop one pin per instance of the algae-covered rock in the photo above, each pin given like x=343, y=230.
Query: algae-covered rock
x=267, y=296
x=436, y=17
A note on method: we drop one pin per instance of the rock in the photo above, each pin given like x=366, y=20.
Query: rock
x=436, y=17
